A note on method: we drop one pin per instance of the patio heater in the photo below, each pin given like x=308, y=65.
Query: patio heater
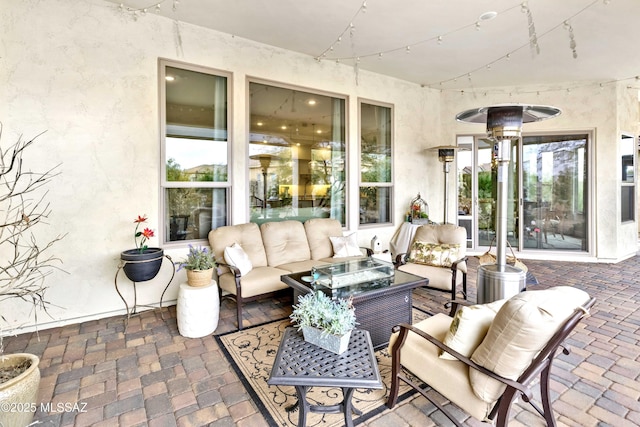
x=446, y=155
x=504, y=124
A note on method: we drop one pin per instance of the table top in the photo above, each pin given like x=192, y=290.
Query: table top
x=401, y=280
x=299, y=363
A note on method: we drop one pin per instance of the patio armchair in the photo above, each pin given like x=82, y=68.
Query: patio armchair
x=488, y=355
x=438, y=252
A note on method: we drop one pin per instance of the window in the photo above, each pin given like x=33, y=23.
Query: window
x=376, y=124
x=195, y=150
x=296, y=154
x=628, y=187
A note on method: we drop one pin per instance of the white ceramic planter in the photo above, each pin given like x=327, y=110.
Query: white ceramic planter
x=21, y=392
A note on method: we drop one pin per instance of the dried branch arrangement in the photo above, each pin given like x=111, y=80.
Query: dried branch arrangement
x=24, y=263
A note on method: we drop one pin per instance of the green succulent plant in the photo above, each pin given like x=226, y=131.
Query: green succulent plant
x=316, y=309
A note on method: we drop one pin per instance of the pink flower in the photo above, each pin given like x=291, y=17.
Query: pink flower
x=145, y=234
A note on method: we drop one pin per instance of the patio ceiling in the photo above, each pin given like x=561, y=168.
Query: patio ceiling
x=402, y=39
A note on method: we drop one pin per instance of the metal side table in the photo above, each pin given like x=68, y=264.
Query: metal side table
x=304, y=365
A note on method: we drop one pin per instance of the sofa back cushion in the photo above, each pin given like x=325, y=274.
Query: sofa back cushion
x=445, y=233
x=522, y=327
x=285, y=242
x=248, y=236
x=319, y=231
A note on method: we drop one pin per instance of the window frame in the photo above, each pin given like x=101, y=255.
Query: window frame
x=391, y=184
x=164, y=183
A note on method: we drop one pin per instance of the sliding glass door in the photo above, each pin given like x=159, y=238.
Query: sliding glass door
x=547, y=194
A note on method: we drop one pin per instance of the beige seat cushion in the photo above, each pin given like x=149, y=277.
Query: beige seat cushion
x=469, y=327
x=318, y=231
x=439, y=277
x=258, y=281
x=285, y=242
x=449, y=378
x=522, y=327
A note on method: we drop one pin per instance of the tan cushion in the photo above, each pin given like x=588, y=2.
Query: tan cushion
x=318, y=231
x=246, y=235
x=443, y=233
x=285, y=242
x=439, y=277
x=449, y=378
x=435, y=254
x=469, y=327
x=258, y=281
x=297, y=267
x=522, y=327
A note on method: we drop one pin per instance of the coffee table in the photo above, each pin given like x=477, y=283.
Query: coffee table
x=304, y=365
x=379, y=305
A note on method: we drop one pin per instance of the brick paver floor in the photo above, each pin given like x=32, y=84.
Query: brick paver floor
x=95, y=374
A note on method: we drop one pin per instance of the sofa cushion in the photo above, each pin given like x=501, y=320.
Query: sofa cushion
x=246, y=235
x=345, y=246
x=522, y=327
x=318, y=231
x=234, y=255
x=260, y=280
x=435, y=254
x=285, y=242
x=450, y=378
x=469, y=327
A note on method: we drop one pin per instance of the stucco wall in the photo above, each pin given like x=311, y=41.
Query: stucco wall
x=87, y=74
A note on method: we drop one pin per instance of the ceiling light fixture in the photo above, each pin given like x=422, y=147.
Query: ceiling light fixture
x=487, y=16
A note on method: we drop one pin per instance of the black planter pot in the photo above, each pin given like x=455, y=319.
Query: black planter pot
x=140, y=267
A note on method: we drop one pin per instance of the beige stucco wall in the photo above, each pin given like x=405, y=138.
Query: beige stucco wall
x=87, y=74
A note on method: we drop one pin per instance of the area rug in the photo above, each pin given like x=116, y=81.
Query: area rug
x=252, y=351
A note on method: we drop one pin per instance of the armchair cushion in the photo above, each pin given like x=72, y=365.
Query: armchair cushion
x=437, y=255
x=469, y=327
x=522, y=327
x=236, y=256
x=345, y=246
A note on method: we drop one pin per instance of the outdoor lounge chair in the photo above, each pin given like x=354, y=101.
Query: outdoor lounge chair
x=522, y=337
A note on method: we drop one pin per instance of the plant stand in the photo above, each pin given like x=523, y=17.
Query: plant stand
x=198, y=310
x=135, y=294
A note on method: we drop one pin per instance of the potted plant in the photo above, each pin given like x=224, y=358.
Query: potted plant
x=324, y=322
x=23, y=268
x=199, y=264
x=142, y=263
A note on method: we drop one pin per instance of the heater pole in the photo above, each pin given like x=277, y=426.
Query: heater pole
x=504, y=148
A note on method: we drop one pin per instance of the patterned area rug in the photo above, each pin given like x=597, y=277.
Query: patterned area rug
x=252, y=351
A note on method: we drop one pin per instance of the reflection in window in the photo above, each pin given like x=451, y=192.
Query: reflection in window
x=554, y=187
x=195, y=151
x=375, y=164
x=296, y=155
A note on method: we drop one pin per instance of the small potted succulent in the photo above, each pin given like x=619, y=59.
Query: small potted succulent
x=324, y=322
x=199, y=264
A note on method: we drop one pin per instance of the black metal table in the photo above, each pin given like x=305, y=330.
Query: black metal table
x=379, y=305
x=304, y=365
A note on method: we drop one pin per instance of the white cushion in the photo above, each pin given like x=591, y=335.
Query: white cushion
x=469, y=327
x=236, y=256
x=522, y=327
x=344, y=246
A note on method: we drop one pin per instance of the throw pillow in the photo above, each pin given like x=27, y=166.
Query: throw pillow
x=522, y=327
x=437, y=255
x=344, y=246
x=469, y=327
x=236, y=256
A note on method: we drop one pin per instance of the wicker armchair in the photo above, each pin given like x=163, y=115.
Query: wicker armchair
x=523, y=335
